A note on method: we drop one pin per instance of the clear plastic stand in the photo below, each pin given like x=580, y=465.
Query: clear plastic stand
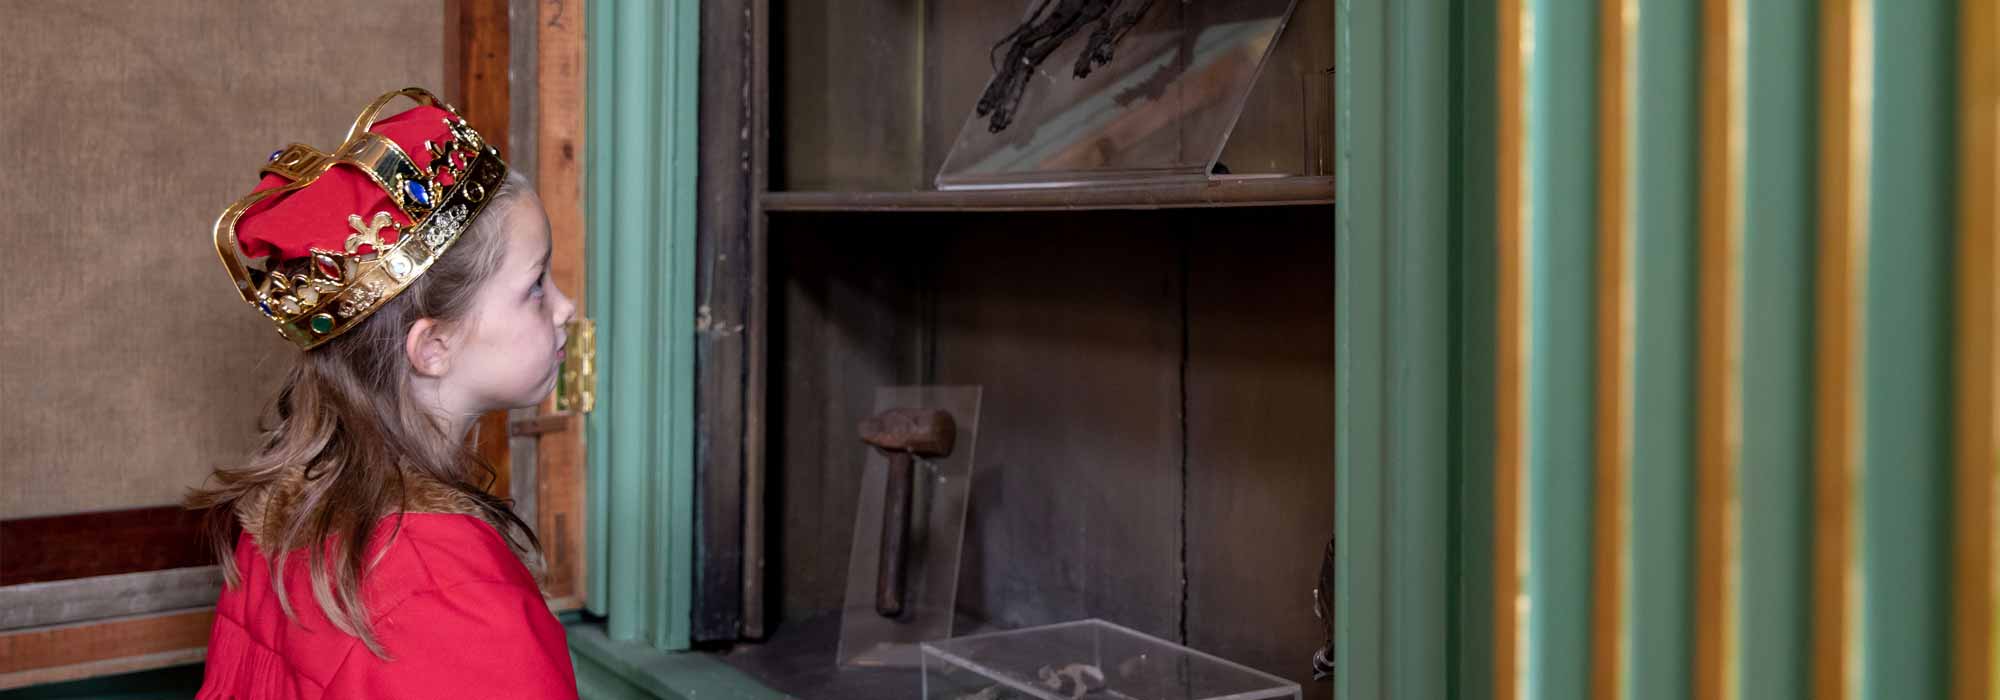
x=940, y=489
x=1161, y=109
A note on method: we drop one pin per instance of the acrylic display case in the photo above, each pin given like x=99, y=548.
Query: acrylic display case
x=1087, y=659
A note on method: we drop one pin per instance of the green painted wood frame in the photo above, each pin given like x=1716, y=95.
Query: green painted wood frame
x=1776, y=485
x=640, y=209
x=1905, y=497
x=1414, y=359
x=1663, y=266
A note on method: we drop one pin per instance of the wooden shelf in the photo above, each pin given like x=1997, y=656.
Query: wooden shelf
x=800, y=660
x=1224, y=192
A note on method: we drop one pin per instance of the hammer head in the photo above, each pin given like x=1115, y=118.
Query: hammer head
x=924, y=432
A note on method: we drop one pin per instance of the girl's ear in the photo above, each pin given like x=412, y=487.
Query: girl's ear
x=429, y=347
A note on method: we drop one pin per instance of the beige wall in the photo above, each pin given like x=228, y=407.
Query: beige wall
x=128, y=365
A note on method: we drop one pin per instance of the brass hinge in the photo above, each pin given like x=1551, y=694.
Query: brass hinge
x=576, y=389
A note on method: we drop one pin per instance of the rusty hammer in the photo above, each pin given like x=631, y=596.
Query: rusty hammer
x=902, y=434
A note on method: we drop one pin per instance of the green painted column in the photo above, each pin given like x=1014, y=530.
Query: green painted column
x=1474, y=418
x=1562, y=357
x=1775, y=281
x=1663, y=266
x=640, y=209
x=1419, y=362
x=1906, y=451
x=597, y=254
x=1394, y=253
x=1361, y=608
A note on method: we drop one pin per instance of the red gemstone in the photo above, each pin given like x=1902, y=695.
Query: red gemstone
x=328, y=266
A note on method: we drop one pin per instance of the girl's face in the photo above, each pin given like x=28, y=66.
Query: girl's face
x=510, y=350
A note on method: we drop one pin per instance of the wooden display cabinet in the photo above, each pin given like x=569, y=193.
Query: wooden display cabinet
x=1157, y=359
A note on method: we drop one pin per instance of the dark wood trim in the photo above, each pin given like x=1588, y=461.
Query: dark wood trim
x=722, y=278
x=539, y=425
x=60, y=547
x=1277, y=191
x=756, y=332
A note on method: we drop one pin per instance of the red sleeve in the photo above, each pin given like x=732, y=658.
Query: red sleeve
x=481, y=639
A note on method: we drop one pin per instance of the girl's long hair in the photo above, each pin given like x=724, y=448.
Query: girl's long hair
x=346, y=428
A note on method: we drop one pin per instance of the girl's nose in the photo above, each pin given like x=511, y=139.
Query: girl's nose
x=565, y=307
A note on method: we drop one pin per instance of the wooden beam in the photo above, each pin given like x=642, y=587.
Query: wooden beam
x=477, y=51
x=723, y=280
x=756, y=333
x=105, y=597
x=559, y=98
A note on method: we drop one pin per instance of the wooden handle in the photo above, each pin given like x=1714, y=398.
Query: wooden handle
x=895, y=537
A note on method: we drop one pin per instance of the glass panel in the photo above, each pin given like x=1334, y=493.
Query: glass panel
x=1161, y=108
x=938, y=491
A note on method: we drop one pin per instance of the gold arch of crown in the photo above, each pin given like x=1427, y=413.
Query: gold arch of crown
x=314, y=299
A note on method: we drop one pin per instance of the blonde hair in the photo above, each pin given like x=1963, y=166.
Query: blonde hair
x=345, y=428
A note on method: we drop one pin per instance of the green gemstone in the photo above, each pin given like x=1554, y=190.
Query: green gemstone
x=322, y=323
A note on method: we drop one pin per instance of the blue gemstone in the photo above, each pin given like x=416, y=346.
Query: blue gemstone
x=417, y=192
x=276, y=153
x=266, y=308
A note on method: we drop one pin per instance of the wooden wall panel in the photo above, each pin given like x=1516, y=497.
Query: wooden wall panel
x=1259, y=472
x=834, y=137
x=1073, y=324
x=129, y=126
x=844, y=322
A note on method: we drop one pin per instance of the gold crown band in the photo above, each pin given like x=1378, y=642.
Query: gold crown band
x=332, y=291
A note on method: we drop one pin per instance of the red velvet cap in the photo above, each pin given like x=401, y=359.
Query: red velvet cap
x=289, y=225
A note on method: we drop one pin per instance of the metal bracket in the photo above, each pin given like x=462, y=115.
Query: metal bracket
x=576, y=389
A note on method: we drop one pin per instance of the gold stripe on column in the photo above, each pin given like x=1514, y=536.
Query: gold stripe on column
x=1976, y=454
x=1845, y=87
x=1510, y=552
x=1718, y=370
x=1613, y=515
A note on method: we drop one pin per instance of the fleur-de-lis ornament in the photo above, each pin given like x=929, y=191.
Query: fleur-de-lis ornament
x=464, y=134
x=368, y=234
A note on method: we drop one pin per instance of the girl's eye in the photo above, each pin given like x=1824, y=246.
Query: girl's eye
x=537, y=289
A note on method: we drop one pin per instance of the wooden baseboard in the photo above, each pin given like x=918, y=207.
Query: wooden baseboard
x=66, y=652
x=99, y=669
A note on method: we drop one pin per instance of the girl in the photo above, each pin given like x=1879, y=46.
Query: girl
x=411, y=268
